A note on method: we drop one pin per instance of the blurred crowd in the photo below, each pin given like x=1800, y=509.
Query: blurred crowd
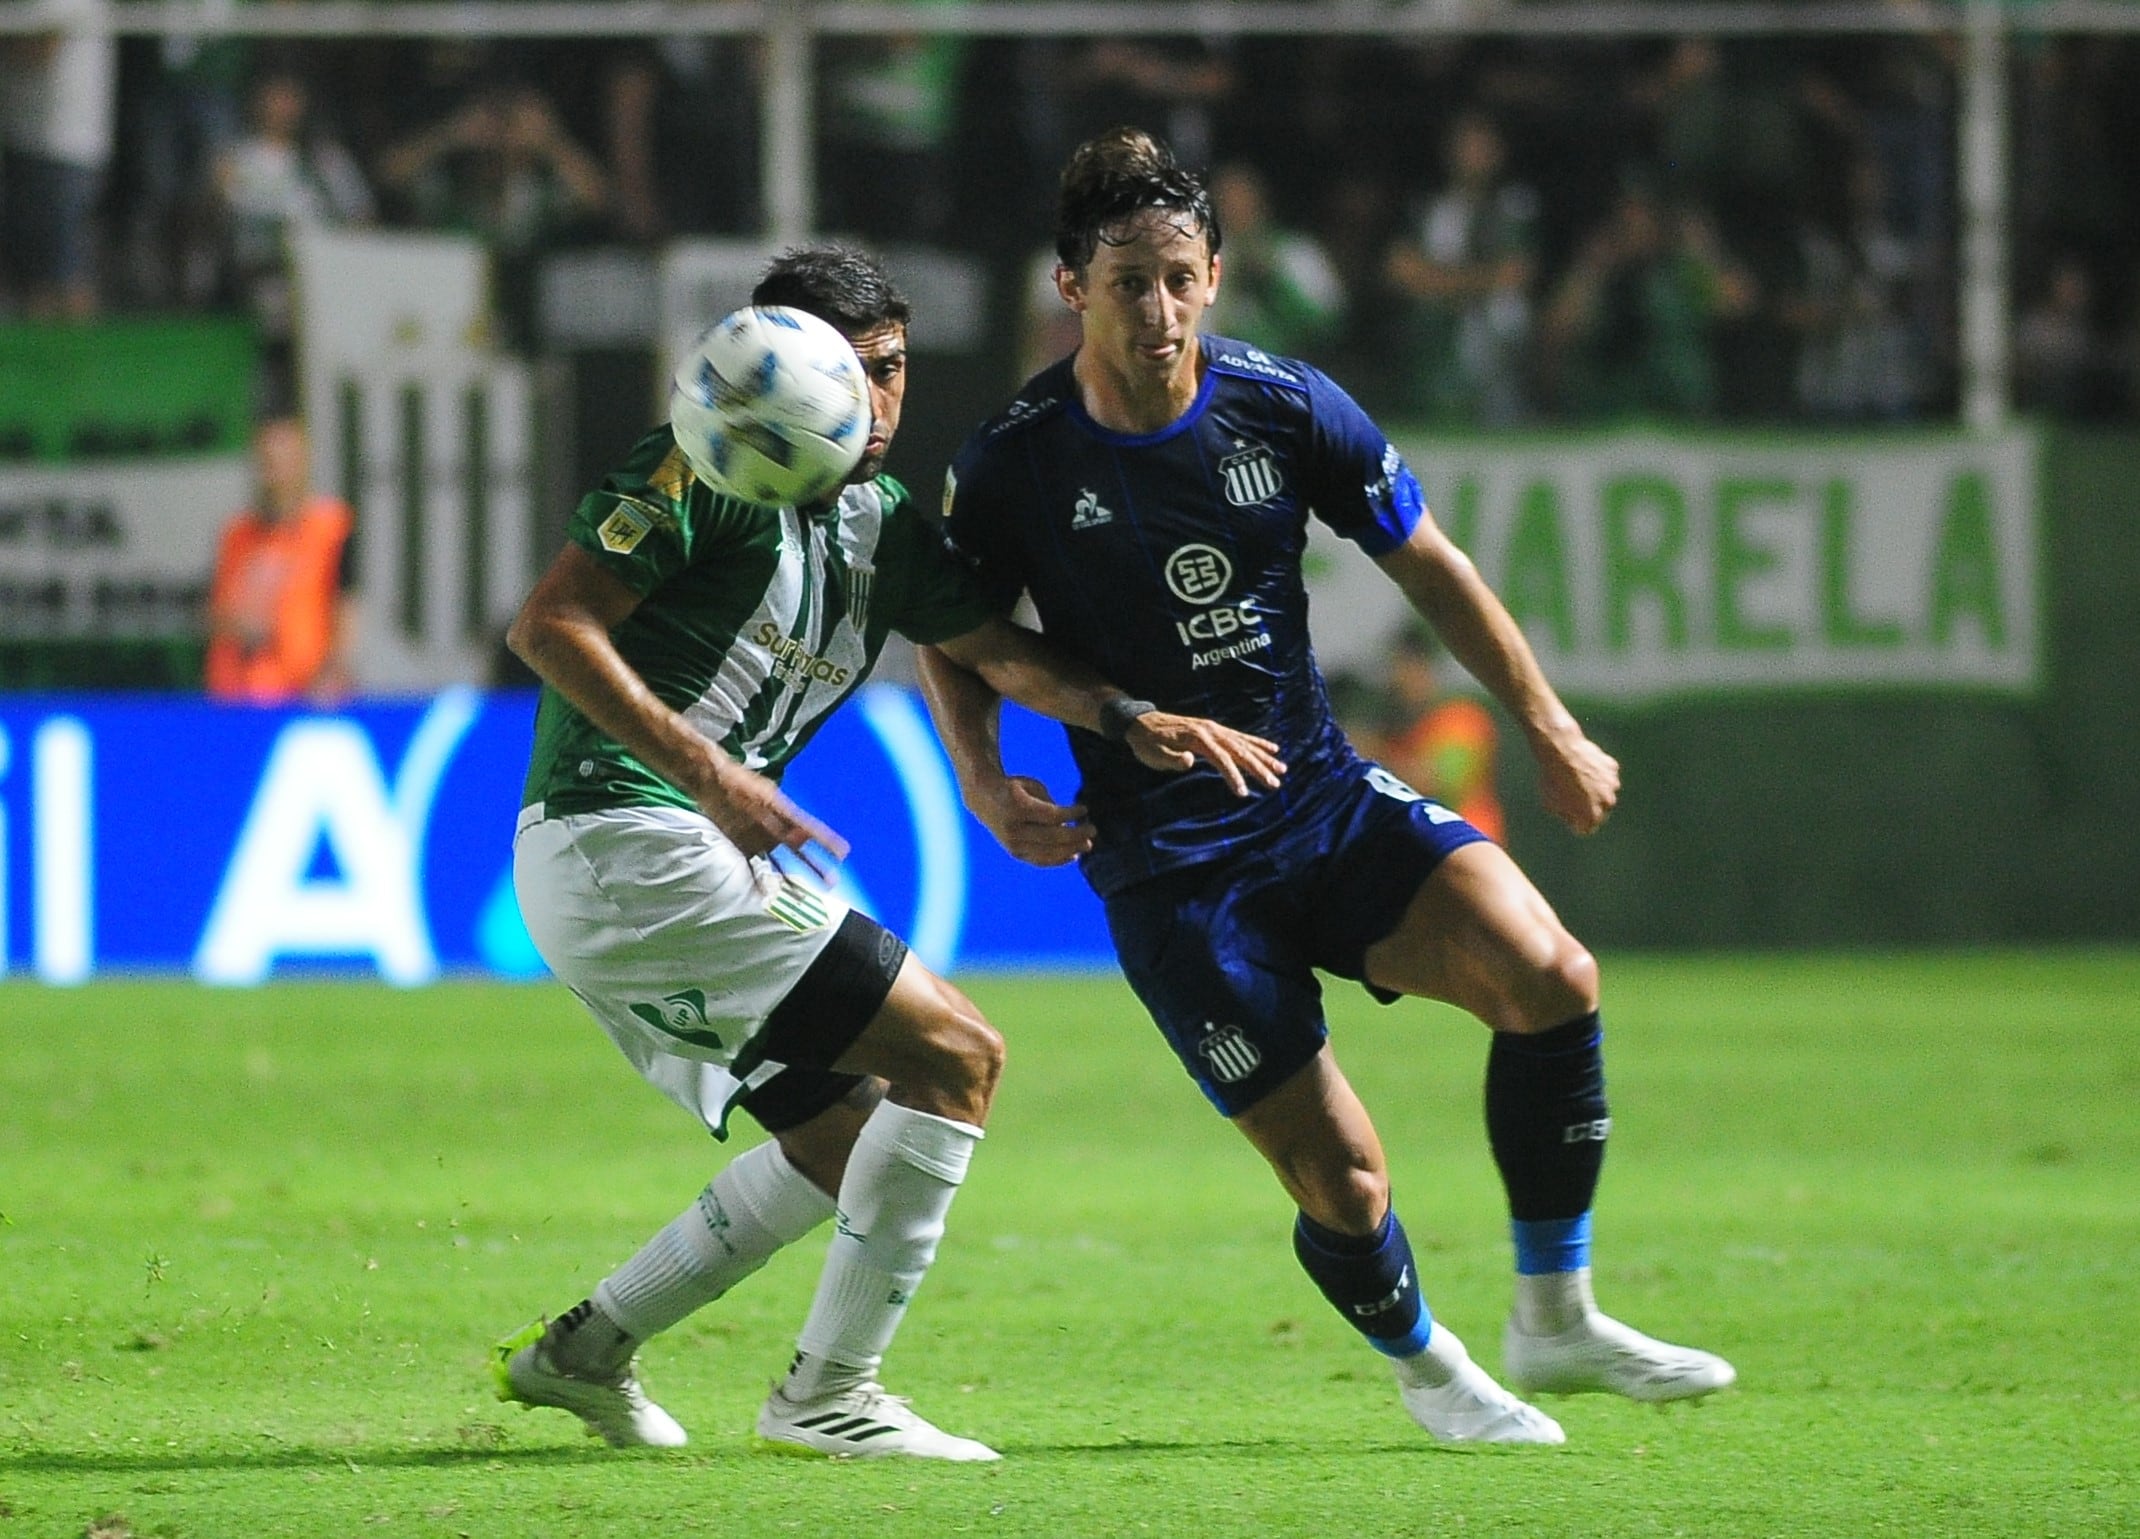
x=1479, y=232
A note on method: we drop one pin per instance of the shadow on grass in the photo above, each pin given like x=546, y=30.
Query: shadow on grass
x=175, y=1461
x=1256, y=1448
x=178, y=1461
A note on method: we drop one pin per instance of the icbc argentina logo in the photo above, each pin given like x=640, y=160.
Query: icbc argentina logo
x=1198, y=574
x=1201, y=575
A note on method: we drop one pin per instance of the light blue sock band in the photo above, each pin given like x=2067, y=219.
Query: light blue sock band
x=1551, y=1245
x=1411, y=1344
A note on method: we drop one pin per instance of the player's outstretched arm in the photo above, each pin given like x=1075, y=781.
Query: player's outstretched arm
x=1578, y=781
x=562, y=632
x=1022, y=665
x=1017, y=809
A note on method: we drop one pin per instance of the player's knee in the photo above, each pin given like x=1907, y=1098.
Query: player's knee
x=1368, y=1194
x=1349, y=1198
x=1575, y=972
x=1562, y=986
x=972, y=1051
x=983, y=1055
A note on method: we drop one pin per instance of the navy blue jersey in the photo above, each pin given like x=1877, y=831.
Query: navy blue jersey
x=1171, y=562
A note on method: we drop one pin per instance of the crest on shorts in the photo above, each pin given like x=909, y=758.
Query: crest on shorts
x=1229, y=1053
x=681, y=1015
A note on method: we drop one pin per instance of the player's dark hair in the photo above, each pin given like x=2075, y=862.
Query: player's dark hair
x=835, y=283
x=1116, y=176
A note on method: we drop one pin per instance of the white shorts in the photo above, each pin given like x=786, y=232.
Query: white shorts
x=678, y=943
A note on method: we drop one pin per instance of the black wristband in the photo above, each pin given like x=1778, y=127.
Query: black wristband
x=1118, y=713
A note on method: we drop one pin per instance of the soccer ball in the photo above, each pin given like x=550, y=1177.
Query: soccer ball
x=771, y=406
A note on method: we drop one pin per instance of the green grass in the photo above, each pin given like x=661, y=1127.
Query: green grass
x=255, y=1246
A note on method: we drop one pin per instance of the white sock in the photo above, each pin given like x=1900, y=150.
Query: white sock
x=905, y=1169
x=1548, y=1303
x=1443, y=1359
x=757, y=1204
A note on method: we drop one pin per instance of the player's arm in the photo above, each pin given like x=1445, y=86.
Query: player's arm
x=1021, y=665
x=563, y=633
x=1580, y=781
x=1017, y=809
x=1025, y=819
x=965, y=680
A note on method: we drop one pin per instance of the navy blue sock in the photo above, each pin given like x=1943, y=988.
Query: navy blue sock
x=1546, y=1119
x=1370, y=1281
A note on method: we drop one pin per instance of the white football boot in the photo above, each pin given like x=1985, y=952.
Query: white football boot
x=614, y=1409
x=1471, y=1407
x=1600, y=1355
x=860, y=1422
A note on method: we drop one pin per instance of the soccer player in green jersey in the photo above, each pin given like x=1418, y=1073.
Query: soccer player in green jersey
x=689, y=645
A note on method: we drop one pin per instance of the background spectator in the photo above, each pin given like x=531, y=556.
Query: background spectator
x=1901, y=101
x=1861, y=355
x=890, y=106
x=1837, y=300
x=680, y=117
x=1278, y=290
x=1630, y=326
x=1176, y=86
x=1440, y=744
x=1464, y=271
x=503, y=169
x=2061, y=363
x=278, y=606
x=1068, y=89
x=286, y=172
x=1354, y=224
x=181, y=114
x=56, y=93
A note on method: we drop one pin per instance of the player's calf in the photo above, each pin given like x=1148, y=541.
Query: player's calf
x=1371, y=1281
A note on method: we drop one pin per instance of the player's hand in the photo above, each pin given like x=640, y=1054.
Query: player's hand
x=758, y=817
x=1163, y=741
x=1028, y=823
x=1578, y=781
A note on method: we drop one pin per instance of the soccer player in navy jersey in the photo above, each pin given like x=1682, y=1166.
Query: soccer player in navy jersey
x=1151, y=493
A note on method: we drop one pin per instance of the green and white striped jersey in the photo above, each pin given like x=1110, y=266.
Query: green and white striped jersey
x=754, y=623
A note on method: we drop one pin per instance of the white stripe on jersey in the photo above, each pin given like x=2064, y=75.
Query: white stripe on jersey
x=747, y=664
x=750, y=664
x=861, y=525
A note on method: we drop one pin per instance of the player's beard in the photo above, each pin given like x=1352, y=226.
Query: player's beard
x=869, y=467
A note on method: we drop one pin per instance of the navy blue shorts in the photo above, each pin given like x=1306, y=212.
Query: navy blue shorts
x=1224, y=954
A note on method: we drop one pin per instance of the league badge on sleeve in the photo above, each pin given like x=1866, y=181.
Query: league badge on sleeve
x=622, y=531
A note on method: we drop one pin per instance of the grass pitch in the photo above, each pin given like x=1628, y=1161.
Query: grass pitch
x=256, y=1244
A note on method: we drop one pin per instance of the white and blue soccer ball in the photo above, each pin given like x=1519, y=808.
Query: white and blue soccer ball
x=771, y=405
